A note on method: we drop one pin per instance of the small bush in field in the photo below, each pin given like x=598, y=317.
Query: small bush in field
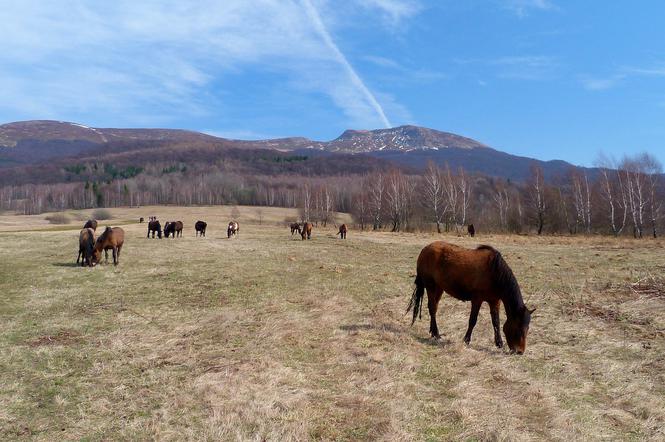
x=101, y=214
x=58, y=218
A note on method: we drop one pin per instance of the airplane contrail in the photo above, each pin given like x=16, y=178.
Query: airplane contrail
x=355, y=78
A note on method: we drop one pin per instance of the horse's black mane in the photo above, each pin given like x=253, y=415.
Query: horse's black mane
x=504, y=276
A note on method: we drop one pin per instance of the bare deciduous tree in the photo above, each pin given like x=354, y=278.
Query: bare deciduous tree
x=433, y=194
x=537, y=197
x=376, y=194
x=306, y=198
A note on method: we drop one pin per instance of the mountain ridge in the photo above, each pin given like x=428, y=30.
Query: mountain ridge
x=36, y=142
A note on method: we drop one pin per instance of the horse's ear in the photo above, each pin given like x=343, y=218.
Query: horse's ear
x=532, y=310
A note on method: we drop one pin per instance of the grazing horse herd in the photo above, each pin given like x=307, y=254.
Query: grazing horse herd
x=475, y=275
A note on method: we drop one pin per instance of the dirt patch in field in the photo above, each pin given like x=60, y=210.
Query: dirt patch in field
x=63, y=337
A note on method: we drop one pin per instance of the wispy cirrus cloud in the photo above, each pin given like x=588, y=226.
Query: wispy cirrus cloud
x=395, y=11
x=355, y=79
x=523, y=8
x=621, y=75
x=519, y=67
x=600, y=84
x=155, y=61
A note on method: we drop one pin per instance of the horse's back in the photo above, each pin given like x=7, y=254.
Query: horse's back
x=118, y=236
x=86, y=236
x=460, y=272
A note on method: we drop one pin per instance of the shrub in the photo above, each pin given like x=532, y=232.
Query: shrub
x=101, y=214
x=58, y=218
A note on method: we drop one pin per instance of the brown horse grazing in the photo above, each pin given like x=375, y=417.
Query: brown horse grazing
x=91, y=224
x=342, y=231
x=86, y=247
x=200, y=227
x=295, y=227
x=111, y=239
x=471, y=230
x=233, y=229
x=154, y=226
x=306, y=231
x=173, y=228
x=479, y=275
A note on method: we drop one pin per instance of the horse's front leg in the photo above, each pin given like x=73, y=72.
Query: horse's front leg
x=106, y=255
x=475, y=308
x=494, y=311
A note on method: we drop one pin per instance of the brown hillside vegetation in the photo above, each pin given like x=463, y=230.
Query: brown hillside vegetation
x=267, y=337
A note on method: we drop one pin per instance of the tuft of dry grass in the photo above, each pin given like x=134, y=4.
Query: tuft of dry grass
x=267, y=337
x=58, y=218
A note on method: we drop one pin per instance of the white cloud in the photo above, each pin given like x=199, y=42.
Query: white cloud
x=599, y=84
x=356, y=81
x=621, y=74
x=69, y=58
x=521, y=67
x=395, y=10
x=522, y=8
x=657, y=71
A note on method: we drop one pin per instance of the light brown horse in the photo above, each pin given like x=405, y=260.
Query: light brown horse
x=306, y=231
x=342, y=231
x=479, y=275
x=86, y=246
x=110, y=239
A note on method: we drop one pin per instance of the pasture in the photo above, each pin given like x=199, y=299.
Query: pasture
x=267, y=337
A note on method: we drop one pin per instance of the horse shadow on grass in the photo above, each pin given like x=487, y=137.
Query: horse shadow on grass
x=441, y=342
x=391, y=328
x=65, y=264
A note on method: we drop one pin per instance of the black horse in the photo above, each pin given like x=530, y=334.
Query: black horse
x=155, y=227
x=200, y=228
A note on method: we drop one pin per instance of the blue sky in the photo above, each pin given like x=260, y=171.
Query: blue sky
x=541, y=78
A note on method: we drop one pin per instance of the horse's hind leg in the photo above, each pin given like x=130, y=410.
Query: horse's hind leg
x=475, y=308
x=116, y=252
x=494, y=311
x=433, y=298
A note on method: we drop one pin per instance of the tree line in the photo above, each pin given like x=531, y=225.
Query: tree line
x=617, y=197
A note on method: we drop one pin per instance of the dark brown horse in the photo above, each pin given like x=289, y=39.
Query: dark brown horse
x=86, y=247
x=295, y=227
x=111, y=239
x=141, y=220
x=155, y=227
x=306, y=231
x=200, y=227
x=91, y=224
x=233, y=229
x=342, y=231
x=173, y=228
x=471, y=230
x=479, y=275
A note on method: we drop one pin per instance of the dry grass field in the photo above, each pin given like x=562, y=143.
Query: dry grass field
x=266, y=337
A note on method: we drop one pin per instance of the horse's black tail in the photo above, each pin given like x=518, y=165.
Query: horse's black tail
x=417, y=299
